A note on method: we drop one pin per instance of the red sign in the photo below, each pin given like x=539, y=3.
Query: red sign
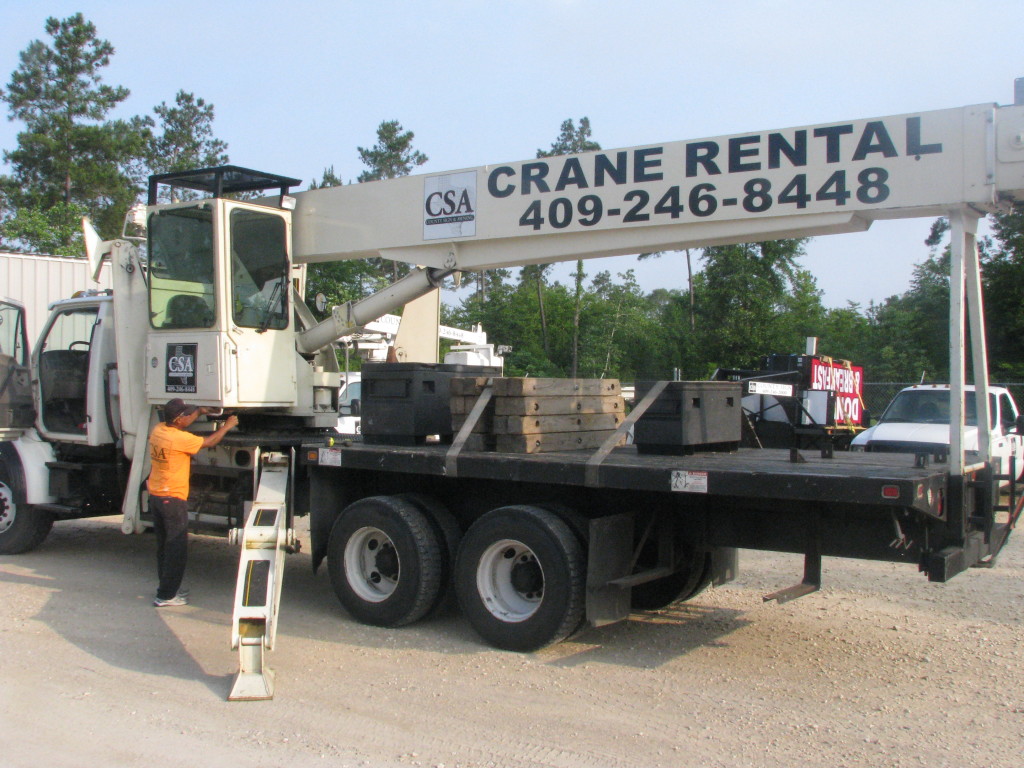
x=847, y=381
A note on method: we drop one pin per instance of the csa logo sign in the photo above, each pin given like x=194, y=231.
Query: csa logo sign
x=180, y=376
x=449, y=206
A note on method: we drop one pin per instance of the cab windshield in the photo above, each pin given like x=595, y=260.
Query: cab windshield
x=181, y=272
x=920, y=406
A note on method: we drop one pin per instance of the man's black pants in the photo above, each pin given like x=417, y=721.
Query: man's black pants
x=170, y=522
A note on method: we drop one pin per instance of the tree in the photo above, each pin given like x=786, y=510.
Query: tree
x=571, y=140
x=69, y=152
x=1002, y=262
x=329, y=179
x=186, y=139
x=751, y=299
x=392, y=156
x=1004, y=286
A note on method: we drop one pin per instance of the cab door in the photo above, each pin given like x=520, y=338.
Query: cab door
x=16, y=409
x=1009, y=441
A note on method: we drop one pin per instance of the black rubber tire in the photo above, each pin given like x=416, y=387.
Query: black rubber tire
x=541, y=605
x=450, y=534
x=407, y=563
x=676, y=588
x=22, y=527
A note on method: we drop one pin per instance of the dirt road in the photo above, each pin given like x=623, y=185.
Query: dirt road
x=880, y=668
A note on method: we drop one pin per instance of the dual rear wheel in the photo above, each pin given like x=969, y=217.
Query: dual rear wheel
x=519, y=572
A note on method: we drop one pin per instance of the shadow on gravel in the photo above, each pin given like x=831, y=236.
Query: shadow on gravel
x=662, y=636
x=101, y=585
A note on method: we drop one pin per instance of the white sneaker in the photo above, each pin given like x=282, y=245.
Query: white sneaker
x=170, y=603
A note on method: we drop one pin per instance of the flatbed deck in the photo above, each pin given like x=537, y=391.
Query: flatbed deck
x=858, y=478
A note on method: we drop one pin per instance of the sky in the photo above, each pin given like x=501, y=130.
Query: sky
x=298, y=86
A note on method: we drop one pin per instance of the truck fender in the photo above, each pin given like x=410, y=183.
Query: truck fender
x=33, y=454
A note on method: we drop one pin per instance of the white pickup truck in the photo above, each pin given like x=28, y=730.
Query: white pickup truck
x=917, y=421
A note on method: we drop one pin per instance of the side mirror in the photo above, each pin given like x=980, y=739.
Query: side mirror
x=1020, y=424
x=355, y=407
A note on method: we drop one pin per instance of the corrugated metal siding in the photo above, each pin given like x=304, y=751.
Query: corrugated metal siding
x=36, y=281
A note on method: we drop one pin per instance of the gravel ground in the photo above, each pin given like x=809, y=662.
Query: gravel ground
x=879, y=668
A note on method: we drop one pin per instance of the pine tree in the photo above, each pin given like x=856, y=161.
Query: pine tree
x=69, y=153
x=392, y=156
x=186, y=139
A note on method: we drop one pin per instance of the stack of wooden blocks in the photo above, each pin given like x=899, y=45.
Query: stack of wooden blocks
x=537, y=415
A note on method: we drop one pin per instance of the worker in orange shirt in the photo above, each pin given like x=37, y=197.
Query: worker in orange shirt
x=170, y=451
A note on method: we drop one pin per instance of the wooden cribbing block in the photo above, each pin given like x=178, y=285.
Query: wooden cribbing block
x=529, y=415
x=531, y=425
x=557, y=405
x=469, y=386
x=517, y=387
x=554, y=441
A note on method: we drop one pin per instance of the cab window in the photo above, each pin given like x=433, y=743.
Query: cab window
x=259, y=270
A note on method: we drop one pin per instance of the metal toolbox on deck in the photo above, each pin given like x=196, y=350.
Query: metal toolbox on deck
x=690, y=416
x=405, y=403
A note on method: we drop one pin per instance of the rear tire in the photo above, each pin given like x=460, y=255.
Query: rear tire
x=384, y=559
x=675, y=588
x=449, y=534
x=22, y=527
x=520, y=578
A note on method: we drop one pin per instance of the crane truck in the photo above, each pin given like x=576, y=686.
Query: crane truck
x=534, y=546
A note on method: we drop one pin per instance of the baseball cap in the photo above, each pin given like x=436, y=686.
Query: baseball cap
x=177, y=407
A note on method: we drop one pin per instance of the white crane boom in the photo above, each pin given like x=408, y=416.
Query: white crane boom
x=819, y=179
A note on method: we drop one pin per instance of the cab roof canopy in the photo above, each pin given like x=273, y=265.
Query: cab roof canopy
x=220, y=181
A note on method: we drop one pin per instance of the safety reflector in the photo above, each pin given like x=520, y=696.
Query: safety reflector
x=890, y=491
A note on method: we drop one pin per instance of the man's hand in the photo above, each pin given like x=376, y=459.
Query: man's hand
x=213, y=438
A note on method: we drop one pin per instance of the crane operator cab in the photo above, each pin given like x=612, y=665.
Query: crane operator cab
x=220, y=294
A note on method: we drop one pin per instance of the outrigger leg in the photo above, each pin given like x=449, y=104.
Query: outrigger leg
x=266, y=538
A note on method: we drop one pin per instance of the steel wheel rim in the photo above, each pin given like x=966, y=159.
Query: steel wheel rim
x=372, y=567
x=510, y=580
x=7, y=508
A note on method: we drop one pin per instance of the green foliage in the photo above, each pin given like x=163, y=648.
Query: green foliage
x=69, y=152
x=329, y=179
x=186, y=139
x=55, y=230
x=572, y=140
x=1003, y=275
x=751, y=299
x=392, y=156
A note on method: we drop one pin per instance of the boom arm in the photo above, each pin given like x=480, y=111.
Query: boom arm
x=792, y=182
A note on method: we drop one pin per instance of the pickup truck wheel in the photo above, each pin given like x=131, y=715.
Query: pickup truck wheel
x=679, y=586
x=385, y=561
x=22, y=527
x=520, y=578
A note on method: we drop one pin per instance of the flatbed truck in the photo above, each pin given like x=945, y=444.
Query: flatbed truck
x=534, y=546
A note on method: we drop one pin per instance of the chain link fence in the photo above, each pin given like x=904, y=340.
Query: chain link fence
x=877, y=394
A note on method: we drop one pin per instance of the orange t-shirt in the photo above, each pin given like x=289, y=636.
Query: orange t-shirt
x=170, y=452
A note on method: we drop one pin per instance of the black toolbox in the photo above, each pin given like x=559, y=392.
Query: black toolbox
x=690, y=416
x=405, y=403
